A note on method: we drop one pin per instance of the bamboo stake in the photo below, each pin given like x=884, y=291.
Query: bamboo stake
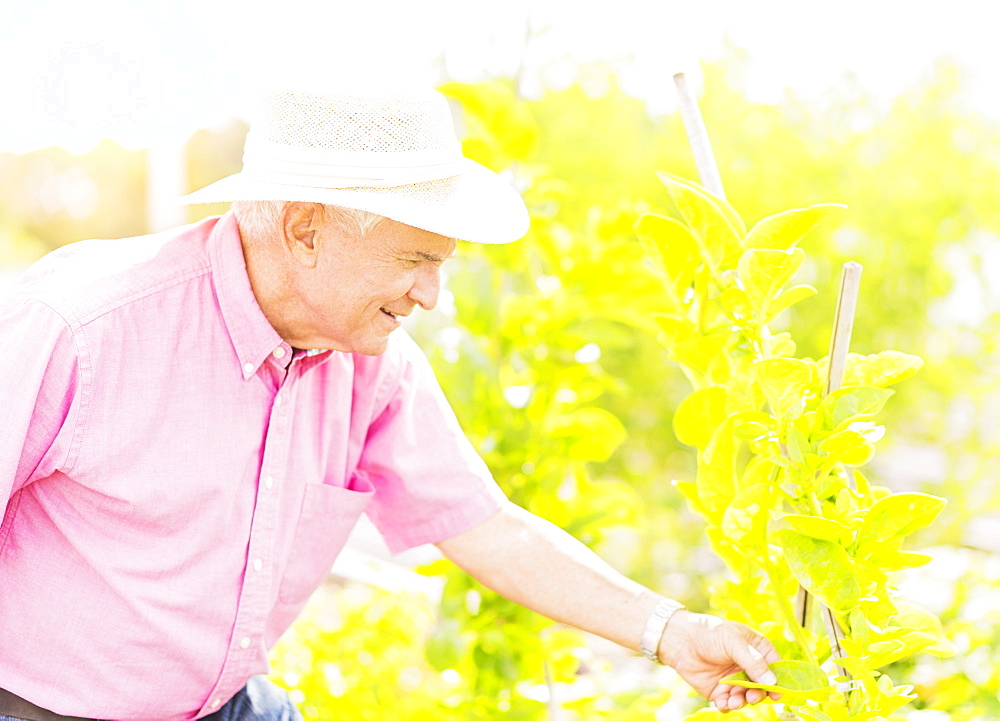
x=843, y=324
x=694, y=126
x=840, y=343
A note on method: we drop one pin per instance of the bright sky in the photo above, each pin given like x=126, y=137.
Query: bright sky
x=144, y=73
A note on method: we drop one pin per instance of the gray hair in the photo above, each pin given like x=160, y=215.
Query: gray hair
x=258, y=219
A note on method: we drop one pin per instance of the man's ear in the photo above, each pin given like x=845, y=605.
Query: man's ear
x=301, y=224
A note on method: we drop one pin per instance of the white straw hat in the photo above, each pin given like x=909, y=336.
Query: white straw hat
x=395, y=155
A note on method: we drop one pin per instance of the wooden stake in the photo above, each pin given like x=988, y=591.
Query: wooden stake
x=843, y=324
x=840, y=343
x=694, y=126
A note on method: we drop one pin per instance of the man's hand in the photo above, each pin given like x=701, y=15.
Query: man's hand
x=705, y=649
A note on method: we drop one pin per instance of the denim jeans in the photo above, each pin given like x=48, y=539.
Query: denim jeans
x=260, y=700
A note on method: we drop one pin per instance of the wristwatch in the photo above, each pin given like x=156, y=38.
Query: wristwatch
x=655, y=625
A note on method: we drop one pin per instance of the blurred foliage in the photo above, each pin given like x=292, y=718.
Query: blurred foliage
x=551, y=358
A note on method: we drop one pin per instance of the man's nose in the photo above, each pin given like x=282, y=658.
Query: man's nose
x=426, y=286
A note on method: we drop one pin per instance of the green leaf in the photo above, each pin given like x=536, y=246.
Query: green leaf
x=765, y=272
x=796, y=678
x=713, y=227
x=846, y=404
x=689, y=490
x=675, y=248
x=784, y=382
x=848, y=447
x=787, y=299
x=813, y=714
x=735, y=303
x=758, y=470
x=498, y=123
x=784, y=230
x=594, y=433
x=717, y=471
x=677, y=328
x=886, y=558
x=899, y=515
x=698, y=354
x=746, y=517
x=880, y=370
x=798, y=445
x=782, y=345
x=725, y=208
x=699, y=414
x=915, y=617
x=825, y=529
x=823, y=568
x=752, y=425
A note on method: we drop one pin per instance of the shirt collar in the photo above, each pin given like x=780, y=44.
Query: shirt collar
x=252, y=336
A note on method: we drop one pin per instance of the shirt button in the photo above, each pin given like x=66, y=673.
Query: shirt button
x=257, y=564
x=268, y=482
x=215, y=703
x=245, y=642
x=278, y=352
x=248, y=367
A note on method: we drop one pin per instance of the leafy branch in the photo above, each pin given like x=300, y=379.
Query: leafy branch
x=778, y=480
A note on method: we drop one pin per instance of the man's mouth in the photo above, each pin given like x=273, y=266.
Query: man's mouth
x=389, y=313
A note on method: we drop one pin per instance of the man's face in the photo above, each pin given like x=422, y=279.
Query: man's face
x=359, y=290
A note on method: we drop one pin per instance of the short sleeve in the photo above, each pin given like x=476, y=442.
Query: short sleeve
x=38, y=393
x=430, y=484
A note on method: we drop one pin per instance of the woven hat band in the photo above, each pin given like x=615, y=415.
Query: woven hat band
x=326, y=168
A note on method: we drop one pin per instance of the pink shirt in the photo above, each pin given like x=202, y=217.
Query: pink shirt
x=178, y=481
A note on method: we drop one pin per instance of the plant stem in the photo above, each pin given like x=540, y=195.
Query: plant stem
x=789, y=613
x=786, y=608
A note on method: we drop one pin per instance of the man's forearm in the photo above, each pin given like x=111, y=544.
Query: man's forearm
x=538, y=565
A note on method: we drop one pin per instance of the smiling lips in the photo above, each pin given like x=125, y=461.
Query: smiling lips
x=394, y=316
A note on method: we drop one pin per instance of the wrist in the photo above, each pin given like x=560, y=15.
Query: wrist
x=656, y=626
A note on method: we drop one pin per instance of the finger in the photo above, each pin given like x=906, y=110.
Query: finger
x=755, y=695
x=737, y=698
x=721, y=699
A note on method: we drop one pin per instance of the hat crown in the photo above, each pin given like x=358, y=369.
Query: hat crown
x=392, y=154
x=355, y=123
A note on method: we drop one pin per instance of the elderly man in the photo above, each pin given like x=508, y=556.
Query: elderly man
x=195, y=420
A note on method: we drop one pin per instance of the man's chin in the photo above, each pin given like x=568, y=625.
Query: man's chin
x=374, y=346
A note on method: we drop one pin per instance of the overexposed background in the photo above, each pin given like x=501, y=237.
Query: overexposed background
x=146, y=74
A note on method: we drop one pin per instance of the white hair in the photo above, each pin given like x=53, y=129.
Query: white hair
x=258, y=219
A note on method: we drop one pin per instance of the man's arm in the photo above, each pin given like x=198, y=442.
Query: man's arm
x=538, y=565
x=38, y=388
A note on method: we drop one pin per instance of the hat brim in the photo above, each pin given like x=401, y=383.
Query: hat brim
x=477, y=205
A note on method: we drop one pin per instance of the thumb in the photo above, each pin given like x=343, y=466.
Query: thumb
x=752, y=661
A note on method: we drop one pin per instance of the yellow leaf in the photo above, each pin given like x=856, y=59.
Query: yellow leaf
x=784, y=230
x=675, y=251
x=881, y=369
x=698, y=415
x=712, y=226
x=765, y=272
x=717, y=471
x=785, y=382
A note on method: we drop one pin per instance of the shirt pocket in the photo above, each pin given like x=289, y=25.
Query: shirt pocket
x=327, y=516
